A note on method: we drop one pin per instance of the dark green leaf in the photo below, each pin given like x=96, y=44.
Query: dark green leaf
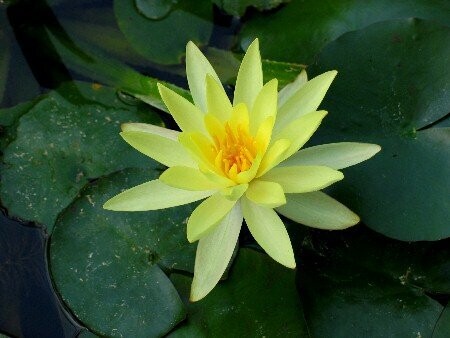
x=258, y=299
x=301, y=29
x=154, y=9
x=164, y=41
x=66, y=139
x=4, y=61
x=9, y=119
x=351, y=287
x=109, y=266
x=393, y=80
x=442, y=329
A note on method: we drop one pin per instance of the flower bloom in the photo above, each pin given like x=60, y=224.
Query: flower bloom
x=243, y=158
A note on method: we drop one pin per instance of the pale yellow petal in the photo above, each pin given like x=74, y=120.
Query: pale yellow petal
x=290, y=89
x=208, y=214
x=199, y=146
x=188, y=179
x=250, y=78
x=188, y=117
x=318, y=210
x=214, y=252
x=300, y=179
x=269, y=231
x=217, y=100
x=334, y=155
x=300, y=131
x=153, y=195
x=273, y=156
x=265, y=105
x=164, y=150
x=269, y=194
x=152, y=129
x=264, y=134
x=305, y=100
x=197, y=68
x=235, y=192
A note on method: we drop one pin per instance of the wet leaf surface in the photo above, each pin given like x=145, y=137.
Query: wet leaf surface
x=109, y=267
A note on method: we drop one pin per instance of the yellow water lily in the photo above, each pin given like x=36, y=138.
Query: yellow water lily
x=243, y=158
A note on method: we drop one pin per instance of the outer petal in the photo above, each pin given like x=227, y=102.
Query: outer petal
x=153, y=195
x=300, y=131
x=250, y=78
x=307, y=99
x=163, y=149
x=289, y=90
x=269, y=231
x=334, y=155
x=217, y=100
x=214, y=252
x=318, y=210
x=188, y=117
x=269, y=194
x=302, y=179
x=206, y=215
x=197, y=68
x=188, y=179
x=265, y=105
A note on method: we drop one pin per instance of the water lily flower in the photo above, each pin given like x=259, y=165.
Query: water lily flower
x=243, y=158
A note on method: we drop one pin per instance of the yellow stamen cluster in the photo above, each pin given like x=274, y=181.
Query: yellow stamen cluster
x=234, y=151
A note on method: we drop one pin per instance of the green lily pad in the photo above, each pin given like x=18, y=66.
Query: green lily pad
x=66, y=139
x=259, y=298
x=239, y=7
x=9, y=119
x=154, y=9
x=4, y=62
x=109, y=267
x=442, y=329
x=297, y=32
x=164, y=40
x=393, y=82
x=350, y=287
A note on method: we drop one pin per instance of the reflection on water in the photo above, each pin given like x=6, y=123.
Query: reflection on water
x=28, y=306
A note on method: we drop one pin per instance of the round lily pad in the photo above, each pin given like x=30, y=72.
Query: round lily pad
x=164, y=40
x=393, y=84
x=350, y=287
x=297, y=32
x=110, y=267
x=65, y=139
x=259, y=298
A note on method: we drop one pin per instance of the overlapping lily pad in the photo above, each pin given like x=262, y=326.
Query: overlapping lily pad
x=110, y=267
x=393, y=82
x=301, y=29
x=349, y=285
x=239, y=7
x=259, y=299
x=164, y=40
x=67, y=138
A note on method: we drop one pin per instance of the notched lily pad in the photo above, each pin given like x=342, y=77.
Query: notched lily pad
x=164, y=40
x=109, y=267
x=301, y=29
x=388, y=92
x=67, y=138
x=259, y=298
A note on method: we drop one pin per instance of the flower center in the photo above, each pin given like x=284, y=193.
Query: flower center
x=235, y=150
